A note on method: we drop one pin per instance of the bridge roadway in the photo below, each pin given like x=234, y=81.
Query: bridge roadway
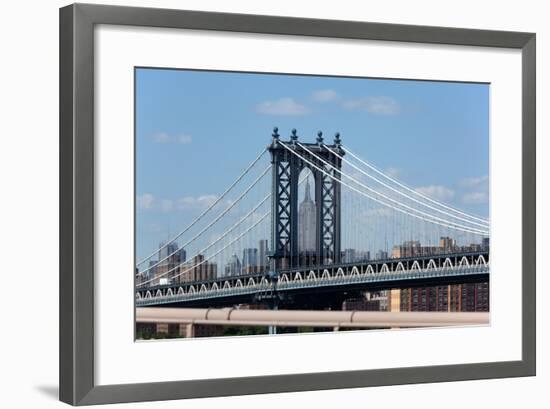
x=337, y=281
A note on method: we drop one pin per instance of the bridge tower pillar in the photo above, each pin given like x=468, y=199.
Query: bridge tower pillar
x=286, y=169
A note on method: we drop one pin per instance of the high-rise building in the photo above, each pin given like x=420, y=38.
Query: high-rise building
x=151, y=270
x=348, y=256
x=182, y=255
x=381, y=255
x=447, y=244
x=409, y=248
x=233, y=266
x=263, y=262
x=362, y=256
x=167, y=250
x=307, y=214
x=468, y=297
x=197, y=269
x=250, y=260
x=170, y=258
x=370, y=301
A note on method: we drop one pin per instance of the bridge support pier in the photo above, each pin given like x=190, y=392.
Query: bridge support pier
x=189, y=330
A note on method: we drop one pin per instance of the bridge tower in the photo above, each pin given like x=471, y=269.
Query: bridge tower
x=286, y=169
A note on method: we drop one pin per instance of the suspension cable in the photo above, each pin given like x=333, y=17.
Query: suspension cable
x=478, y=232
x=383, y=195
x=412, y=190
x=485, y=225
x=207, y=258
x=221, y=237
x=220, y=198
x=207, y=227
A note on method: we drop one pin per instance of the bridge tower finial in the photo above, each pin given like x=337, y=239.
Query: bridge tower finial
x=319, y=138
x=294, y=136
x=337, y=140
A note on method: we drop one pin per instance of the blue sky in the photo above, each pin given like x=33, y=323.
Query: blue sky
x=197, y=130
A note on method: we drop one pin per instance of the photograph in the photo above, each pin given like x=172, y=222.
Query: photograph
x=284, y=203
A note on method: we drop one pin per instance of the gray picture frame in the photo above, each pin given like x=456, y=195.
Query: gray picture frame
x=76, y=276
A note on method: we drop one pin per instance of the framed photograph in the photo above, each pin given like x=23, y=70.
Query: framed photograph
x=258, y=204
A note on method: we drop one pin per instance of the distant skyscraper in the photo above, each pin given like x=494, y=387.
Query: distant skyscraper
x=170, y=259
x=349, y=256
x=233, y=266
x=152, y=269
x=182, y=254
x=307, y=223
x=166, y=251
x=485, y=243
x=197, y=269
x=448, y=244
x=262, y=256
x=362, y=255
x=381, y=255
x=250, y=260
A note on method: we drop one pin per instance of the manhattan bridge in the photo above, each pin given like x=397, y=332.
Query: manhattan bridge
x=307, y=226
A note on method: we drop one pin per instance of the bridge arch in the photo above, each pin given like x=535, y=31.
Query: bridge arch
x=283, y=279
x=481, y=260
x=400, y=267
x=447, y=263
x=169, y=293
x=340, y=273
x=312, y=275
x=384, y=269
x=239, y=283
x=416, y=266
x=326, y=275
x=464, y=262
x=215, y=287
x=354, y=271
x=203, y=289
x=251, y=282
x=158, y=294
x=148, y=295
x=370, y=270
x=431, y=265
x=226, y=285
x=138, y=296
x=191, y=290
x=181, y=291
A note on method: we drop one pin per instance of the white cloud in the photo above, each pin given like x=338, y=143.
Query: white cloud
x=199, y=202
x=185, y=139
x=166, y=205
x=436, y=192
x=480, y=182
x=283, y=107
x=374, y=105
x=324, y=95
x=154, y=228
x=145, y=201
x=149, y=202
x=475, y=198
x=163, y=137
x=478, y=190
x=392, y=172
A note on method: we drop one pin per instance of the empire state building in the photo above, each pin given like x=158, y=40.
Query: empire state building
x=307, y=223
